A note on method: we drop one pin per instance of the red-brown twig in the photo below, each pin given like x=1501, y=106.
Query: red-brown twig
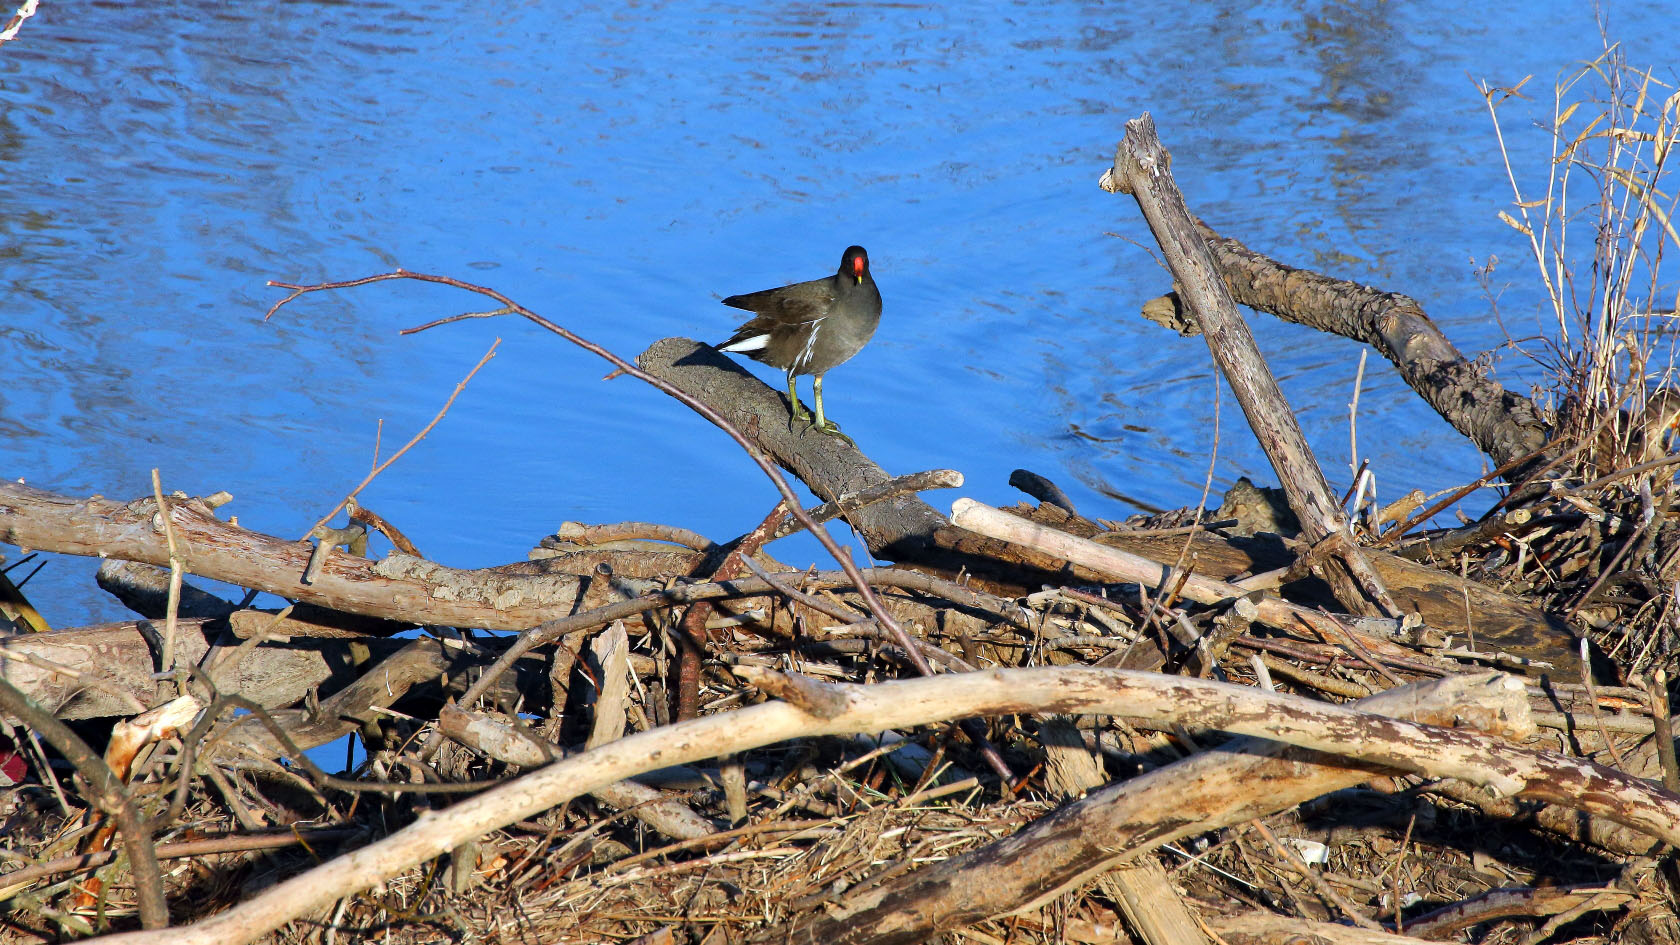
x=691, y=631
x=231, y=843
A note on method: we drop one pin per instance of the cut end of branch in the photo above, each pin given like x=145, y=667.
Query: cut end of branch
x=806, y=694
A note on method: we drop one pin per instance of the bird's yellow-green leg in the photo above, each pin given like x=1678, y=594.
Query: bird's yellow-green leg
x=827, y=426
x=797, y=409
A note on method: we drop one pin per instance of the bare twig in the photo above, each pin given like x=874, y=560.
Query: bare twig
x=1592, y=705
x=170, y=851
x=1318, y=884
x=892, y=488
x=416, y=438
x=166, y=659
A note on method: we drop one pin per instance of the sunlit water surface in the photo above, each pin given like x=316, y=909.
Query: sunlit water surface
x=619, y=167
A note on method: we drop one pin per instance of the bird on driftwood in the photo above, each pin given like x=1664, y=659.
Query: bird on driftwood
x=810, y=327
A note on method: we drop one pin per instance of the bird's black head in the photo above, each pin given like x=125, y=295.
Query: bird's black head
x=854, y=264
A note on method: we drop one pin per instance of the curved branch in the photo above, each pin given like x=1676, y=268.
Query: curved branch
x=1504, y=425
x=1373, y=739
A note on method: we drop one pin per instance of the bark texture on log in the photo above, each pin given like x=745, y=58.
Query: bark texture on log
x=1499, y=622
x=394, y=588
x=107, y=670
x=1502, y=424
x=97, y=672
x=904, y=529
x=899, y=528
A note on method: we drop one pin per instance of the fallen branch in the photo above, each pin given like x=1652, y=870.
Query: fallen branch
x=1142, y=168
x=31, y=518
x=1120, y=823
x=1120, y=565
x=1374, y=739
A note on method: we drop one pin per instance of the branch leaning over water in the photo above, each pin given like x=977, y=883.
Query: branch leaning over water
x=1142, y=169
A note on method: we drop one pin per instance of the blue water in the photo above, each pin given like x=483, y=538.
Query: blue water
x=620, y=167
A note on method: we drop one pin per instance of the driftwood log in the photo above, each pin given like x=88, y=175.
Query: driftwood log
x=1116, y=824
x=1143, y=169
x=398, y=588
x=1373, y=739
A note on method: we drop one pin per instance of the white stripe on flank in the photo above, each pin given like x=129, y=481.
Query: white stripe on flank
x=810, y=345
x=754, y=343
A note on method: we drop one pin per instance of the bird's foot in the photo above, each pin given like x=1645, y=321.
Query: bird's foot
x=832, y=429
x=798, y=417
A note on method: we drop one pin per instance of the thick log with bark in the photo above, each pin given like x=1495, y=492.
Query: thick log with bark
x=898, y=529
x=903, y=529
x=1238, y=781
x=108, y=670
x=394, y=588
x=1503, y=424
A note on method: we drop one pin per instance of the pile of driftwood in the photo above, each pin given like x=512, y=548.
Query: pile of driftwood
x=1269, y=722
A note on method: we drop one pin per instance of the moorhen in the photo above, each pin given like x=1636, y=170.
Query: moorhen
x=809, y=327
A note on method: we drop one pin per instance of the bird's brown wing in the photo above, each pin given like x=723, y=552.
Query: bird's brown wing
x=785, y=307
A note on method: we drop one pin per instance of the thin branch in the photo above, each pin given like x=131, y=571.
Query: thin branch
x=108, y=791
x=381, y=467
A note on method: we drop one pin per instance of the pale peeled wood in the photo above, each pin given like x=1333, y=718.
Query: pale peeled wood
x=611, y=652
x=1125, y=566
x=1232, y=783
x=498, y=738
x=399, y=587
x=1374, y=739
x=1143, y=891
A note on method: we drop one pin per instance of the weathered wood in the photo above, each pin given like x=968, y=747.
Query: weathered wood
x=895, y=528
x=1448, y=921
x=1503, y=424
x=1258, y=928
x=1143, y=891
x=903, y=529
x=398, y=588
x=1374, y=739
x=1142, y=169
x=1119, y=565
x=96, y=672
x=496, y=736
x=1236, y=782
x=1448, y=604
x=144, y=589
x=106, y=670
x=416, y=667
